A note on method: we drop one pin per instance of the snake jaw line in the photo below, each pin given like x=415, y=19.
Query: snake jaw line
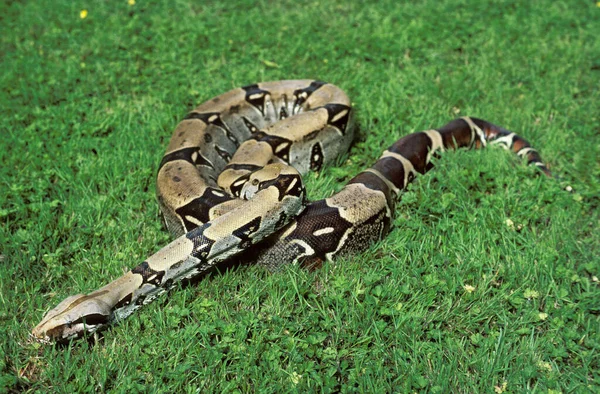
x=72, y=318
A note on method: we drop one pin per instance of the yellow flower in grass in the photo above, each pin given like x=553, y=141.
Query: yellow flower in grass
x=544, y=366
x=295, y=378
x=501, y=388
x=469, y=288
x=83, y=14
x=529, y=294
x=131, y=2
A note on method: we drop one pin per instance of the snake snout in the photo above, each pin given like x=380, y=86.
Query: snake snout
x=72, y=317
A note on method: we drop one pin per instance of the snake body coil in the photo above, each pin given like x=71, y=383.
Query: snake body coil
x=230, y=181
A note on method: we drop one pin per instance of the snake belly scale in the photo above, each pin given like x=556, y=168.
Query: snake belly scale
x=230, y=183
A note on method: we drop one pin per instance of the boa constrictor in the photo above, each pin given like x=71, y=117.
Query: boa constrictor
x=230, y=179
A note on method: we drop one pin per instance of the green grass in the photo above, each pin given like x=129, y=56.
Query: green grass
x=454, y=300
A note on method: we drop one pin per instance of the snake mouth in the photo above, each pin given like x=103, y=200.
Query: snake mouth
x=73, y=318
x=47, y=332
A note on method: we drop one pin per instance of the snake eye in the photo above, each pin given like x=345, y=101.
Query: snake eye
x=255, y=182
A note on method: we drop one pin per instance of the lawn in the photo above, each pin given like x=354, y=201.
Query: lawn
x=488, y=283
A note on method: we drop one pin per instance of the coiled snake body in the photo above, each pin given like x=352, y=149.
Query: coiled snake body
x=231, y=180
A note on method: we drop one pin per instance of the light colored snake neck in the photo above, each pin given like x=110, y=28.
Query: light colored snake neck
x=230, y=182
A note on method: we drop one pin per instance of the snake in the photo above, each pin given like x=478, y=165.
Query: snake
x=230, y=184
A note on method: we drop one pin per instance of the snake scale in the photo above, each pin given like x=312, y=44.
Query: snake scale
x=230, y=182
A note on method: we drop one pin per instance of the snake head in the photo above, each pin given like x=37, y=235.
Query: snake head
x=72, y=318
